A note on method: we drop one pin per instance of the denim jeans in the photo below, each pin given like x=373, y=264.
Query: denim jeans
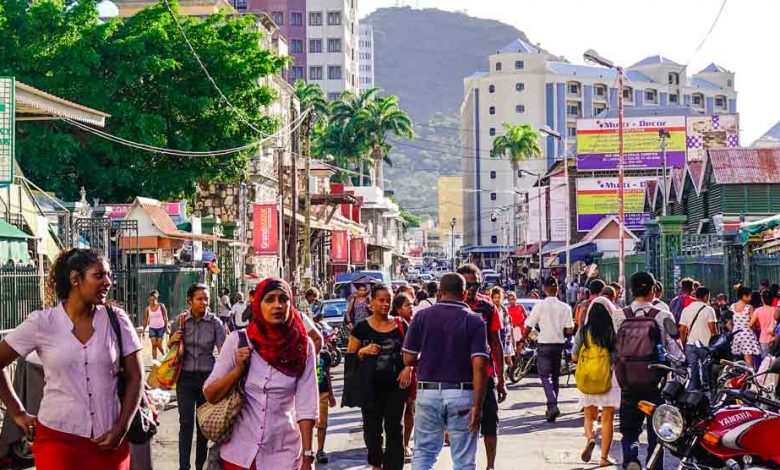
x=631, y=421
x=694, y=365
x=437, y=410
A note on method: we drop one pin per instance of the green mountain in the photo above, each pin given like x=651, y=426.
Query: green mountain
x=422, y=56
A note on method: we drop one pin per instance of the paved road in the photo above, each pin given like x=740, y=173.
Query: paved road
x=526, y=440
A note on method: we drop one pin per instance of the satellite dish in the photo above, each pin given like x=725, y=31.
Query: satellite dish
x=107, y=9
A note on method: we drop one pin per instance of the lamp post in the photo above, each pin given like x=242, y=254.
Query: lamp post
x=593, y=56
x=452, y=241
x=663, y=134
x=562, y=138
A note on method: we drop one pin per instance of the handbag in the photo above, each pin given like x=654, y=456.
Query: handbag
x=216, y=420
x=170, y=367
x=143, y=426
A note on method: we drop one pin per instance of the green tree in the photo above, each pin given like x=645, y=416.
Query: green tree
x=141, y=72
x=521, y=142
x=312, y=99
x=379, y=118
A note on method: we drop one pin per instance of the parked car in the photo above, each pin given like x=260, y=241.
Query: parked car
x=333, y=311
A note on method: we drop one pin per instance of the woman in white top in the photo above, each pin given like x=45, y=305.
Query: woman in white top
x=156, y=320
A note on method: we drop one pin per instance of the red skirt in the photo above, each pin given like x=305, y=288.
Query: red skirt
x=55, y=450
x=231, y=466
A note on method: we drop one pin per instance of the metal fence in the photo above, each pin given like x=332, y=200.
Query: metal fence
x=710, y=271
x=172, y=283
x=20, y=294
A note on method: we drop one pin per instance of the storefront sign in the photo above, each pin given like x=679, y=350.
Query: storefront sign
x=265, y=233
x=339, y=247
x=710, y=132
x=598, y=143
x=357, y=251
x=174, y=209
x=7, y=129
x=598, y=198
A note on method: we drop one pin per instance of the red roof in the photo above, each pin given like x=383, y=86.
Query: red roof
x=160, y=219
x=745, y=165
x=695, y=169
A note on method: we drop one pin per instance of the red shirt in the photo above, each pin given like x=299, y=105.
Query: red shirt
x=485, y=308
x=517, y=314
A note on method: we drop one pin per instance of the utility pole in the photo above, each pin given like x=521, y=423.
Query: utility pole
x=280, y=171
x=294, y=268
x=307, y=268
x=242, y=203
x=663, y=134
x=621, y=189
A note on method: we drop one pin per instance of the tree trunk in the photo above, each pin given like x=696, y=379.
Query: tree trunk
x=379, y=170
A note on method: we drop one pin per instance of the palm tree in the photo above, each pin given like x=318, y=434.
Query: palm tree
x=380, y=117
x=311, y=98
x=521, y=142
x=344, y=112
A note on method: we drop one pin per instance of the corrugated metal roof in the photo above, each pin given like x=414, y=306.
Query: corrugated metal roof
x=745, y=165
x=155, y=210
x=655, y=60
x=695, y=169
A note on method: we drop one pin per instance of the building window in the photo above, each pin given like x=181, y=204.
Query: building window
x=334, y=18
x=278, y=18
x=598, y=109
x=673, y=98
x=492, y=89
x=493, y=196
x=674, y=78
x=296, y=46
x=296, y=72
x=240, y=4
x=334, y=72
x=519, y=64
x=498, y=66
x=730, y=83
x=651, y=96
x=296, y=19
x=697, y=99
x=600, y=91
x=315, y=18
x=315, y=73
x=720, y=102
x=315, y=46
x=492, y=131
x=492, y=110
x=573, y=110
x=628, y=93
x=574, y=88
x=519, y=86
x=571, y=131
x=493, y=175
x=520, y=108
x=334, y=45
x=333, y=96
x=493, y=239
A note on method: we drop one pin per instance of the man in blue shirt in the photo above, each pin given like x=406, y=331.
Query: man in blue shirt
x=449, y=344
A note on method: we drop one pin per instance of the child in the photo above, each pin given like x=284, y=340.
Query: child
x=327, y=399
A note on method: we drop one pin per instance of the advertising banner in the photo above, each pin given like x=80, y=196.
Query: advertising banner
x=7, y=129
x=357, y=251
x=339, y=247
x=598, y=198
x=597, y=143
x=558, y=213
x=174, y=209
x=710, y=132
x=265, y=232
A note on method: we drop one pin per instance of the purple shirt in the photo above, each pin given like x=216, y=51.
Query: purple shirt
x=446, y=336
x=267, y=431
x=80, y=392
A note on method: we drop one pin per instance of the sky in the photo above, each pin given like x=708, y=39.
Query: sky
x=744, y=40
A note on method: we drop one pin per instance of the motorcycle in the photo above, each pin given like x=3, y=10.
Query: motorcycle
x=525, y=362
x=330, y=339
x=731, y=431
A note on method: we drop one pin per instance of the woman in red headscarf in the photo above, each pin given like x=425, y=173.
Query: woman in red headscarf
x=282, y=399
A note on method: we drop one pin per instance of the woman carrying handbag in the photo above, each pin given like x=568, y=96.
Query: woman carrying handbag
x=280, y=383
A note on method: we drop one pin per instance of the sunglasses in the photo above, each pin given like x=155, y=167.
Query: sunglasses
x=472, y=285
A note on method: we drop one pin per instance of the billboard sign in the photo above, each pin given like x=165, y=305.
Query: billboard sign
x=174, y=209
x=7, y=129
x=710, y=132
x=339, y=247
x=598, y=198
x=357, y=247
x=598, y=143
x=265, y=229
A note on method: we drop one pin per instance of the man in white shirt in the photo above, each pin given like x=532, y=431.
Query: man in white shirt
x=697, y=324
x=432, y=291
x=555, y=321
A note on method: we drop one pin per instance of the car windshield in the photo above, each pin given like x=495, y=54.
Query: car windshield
x=333, y=309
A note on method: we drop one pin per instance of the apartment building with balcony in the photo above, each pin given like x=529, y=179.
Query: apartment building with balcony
x=365, y=57
x=332, y=41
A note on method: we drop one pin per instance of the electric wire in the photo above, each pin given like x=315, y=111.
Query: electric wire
x=707, y=36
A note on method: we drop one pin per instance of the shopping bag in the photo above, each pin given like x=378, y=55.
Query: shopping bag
x=170, y=366
x=151, y=380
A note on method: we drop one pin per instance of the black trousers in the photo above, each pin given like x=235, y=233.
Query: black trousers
x=386, y=410
x=548, y=365
x=189, y=396
x=631, y=421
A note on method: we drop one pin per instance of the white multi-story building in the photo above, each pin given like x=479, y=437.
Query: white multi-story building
x=366, y=57
x=525, y=85
x=331, y=34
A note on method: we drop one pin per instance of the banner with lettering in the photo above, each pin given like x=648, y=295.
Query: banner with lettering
x=339, y=247
x=358, y=251
x=265, y=233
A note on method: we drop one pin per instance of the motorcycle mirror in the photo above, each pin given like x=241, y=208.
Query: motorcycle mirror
x=671, y=328
x=774, y=368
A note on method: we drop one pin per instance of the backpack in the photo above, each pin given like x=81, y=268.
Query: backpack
x=637, y=348
x=594, y=369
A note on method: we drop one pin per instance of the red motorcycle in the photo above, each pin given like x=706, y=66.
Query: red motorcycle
x=732, y=432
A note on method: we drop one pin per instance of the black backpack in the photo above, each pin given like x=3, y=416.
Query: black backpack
x=637, y=348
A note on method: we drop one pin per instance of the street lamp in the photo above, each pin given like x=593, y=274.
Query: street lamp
x=663, y=134
x=593, y=56
x=452, y=236
x=562, y=138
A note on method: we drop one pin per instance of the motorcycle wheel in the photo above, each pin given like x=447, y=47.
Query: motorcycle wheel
x=511, y=372
x=336, y=356
x=523, y=368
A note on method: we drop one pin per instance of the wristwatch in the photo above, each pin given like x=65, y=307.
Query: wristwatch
x=308, y=453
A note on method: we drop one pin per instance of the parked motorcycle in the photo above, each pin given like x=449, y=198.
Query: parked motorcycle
x=731, y=431
x=525, y=362
x=330, y=338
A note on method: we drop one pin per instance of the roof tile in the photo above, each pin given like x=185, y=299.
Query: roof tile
x=745, y=165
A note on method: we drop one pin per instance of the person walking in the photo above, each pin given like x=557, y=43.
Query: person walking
x=517, y=315
x=745, y=343
x=156, y=321
x=632, y=392
x=81, y=422
x=201, y=334
x=403, y=309
x=357, y=307
x=431, y=290
x=280, y=407
x=448, y=346
x=224, y=305
x=698, y=324
x=594, y=351
x=507, y=342
x=554, y=319
x=682, y=300
x=495, y=391
x=593, y=288
x=658, y=292
x=377, y=341
x=765, y=316
x=237, y=321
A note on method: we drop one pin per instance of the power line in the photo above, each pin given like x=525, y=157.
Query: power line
x=707, y=36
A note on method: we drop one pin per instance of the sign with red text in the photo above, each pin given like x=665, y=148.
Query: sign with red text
x=265, y=233
x=339, y=247
x=357, y=250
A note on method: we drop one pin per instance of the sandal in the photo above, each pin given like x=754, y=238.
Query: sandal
x=587, y=452
x=606, y=463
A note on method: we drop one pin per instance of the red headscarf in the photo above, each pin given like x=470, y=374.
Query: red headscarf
x=285, y=347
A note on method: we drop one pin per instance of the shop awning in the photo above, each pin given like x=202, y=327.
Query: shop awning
x=552, y=247
x=13, y=244
x=579, y=252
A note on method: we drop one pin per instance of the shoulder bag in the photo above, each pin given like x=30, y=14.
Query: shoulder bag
x=171, y=364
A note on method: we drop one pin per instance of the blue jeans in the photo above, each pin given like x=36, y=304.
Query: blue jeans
x=437, y=410
x=694, y=365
